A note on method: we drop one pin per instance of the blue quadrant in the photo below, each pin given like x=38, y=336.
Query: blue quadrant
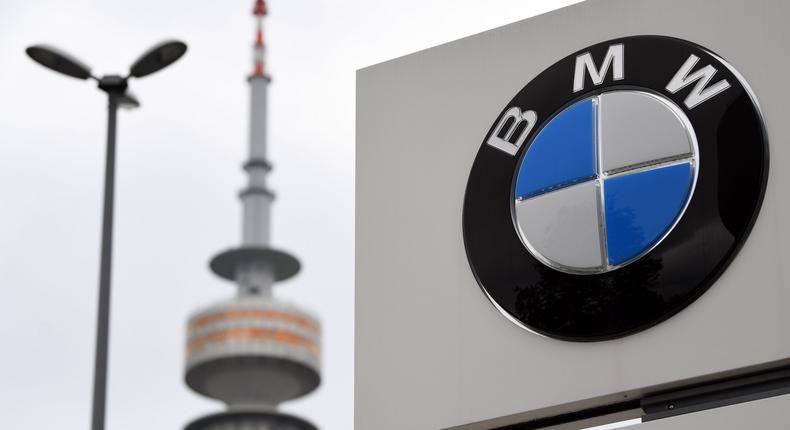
x=562, y=154
x=641, y=207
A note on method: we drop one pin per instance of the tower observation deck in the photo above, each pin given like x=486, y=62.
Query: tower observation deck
x=253, y=351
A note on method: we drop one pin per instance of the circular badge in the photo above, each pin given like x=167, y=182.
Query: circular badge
x=615, y=188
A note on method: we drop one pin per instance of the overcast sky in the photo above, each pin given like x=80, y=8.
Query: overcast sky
x=178, y=175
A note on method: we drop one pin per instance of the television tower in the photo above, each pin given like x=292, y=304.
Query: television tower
x=254, y=352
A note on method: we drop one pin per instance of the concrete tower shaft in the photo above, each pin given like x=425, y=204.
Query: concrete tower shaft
x=257, y=198
x=255, y=266
x=256, y=277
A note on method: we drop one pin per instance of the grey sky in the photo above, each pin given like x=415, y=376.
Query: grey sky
x=178, y=174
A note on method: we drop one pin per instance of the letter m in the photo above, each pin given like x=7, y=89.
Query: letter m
x=584, y=62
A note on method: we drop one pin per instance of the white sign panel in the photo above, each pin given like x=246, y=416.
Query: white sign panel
x=571, y=211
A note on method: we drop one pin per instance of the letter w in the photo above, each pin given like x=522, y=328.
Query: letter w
x=702, y=77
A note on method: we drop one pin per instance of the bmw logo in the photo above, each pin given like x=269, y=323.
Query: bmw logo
x=615, y=188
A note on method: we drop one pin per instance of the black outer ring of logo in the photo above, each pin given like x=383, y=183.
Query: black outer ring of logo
x=733, y=153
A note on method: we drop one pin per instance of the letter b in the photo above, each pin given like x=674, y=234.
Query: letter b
x=506, y=143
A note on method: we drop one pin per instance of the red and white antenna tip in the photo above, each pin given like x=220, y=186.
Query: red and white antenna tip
x=259, y=11
x=260, y=8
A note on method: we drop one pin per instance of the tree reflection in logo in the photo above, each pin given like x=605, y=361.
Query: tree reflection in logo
x=580, y=305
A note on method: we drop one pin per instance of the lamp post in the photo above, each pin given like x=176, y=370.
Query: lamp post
x=116, y=87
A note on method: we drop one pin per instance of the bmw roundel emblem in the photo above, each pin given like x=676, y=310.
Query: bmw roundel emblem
x=615, y=188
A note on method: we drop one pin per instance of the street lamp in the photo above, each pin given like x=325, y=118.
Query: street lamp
x=116, y=87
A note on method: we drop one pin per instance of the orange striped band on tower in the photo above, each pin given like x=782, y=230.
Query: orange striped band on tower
x=255, y=334
x=238, y=314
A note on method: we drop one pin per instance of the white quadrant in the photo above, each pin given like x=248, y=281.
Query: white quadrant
x=563, y=226
x=637, y=128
